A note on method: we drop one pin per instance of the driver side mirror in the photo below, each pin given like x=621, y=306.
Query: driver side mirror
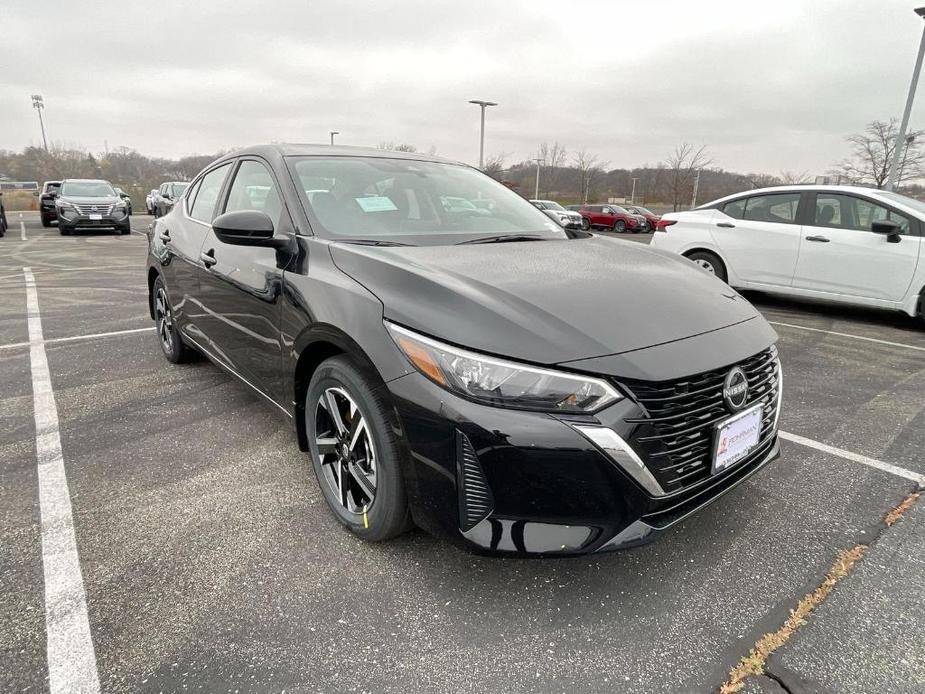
x=247, y=228
x=889, y=227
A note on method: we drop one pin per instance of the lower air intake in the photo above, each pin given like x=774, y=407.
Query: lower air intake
x=475, y=499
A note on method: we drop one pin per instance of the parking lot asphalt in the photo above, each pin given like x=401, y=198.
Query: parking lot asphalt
x=210, y=562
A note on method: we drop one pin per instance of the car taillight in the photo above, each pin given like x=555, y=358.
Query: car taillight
x=662, y=224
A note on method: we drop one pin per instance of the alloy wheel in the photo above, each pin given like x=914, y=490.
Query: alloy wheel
x=163, y=318
x=346, y=450
x=705, y=264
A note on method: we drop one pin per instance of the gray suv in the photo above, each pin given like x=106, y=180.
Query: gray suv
x=86, y=203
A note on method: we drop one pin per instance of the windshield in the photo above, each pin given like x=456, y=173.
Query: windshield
x=87, y=189
x=550, y=205
x=176, y=189
x=911, y=203
x=411, y=202
x=618, y=209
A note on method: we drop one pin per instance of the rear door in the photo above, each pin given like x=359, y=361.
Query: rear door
x=841, y=255
x=241, y=286
x=760, y=237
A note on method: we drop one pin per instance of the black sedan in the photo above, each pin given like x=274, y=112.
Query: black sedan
x=474, y=374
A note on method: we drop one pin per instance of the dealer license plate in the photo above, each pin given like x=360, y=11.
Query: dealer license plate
x=736, y=437
x=95, y=217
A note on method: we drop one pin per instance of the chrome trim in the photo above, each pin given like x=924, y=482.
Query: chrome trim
x=622, y=454
x=780, y=392
x=218, y=362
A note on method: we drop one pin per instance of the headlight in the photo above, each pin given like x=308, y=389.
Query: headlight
x=64, y=204
x=563, y=218
x=502, y=383
x=119, y=205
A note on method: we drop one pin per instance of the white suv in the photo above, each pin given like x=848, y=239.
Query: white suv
x=849, y=244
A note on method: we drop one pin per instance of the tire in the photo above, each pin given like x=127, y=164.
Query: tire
x=585, y=224
x=126, y=229
x=46, y=222
x=168, y=334
x=2, y=224
x=64, y=230
x=376, y=515
x=619, y=226
x=709, y=262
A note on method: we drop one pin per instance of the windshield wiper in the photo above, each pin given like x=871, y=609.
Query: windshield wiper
x=374, y=242
x=503, y=238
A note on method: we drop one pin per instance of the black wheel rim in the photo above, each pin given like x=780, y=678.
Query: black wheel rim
x=163, y=319
x=346, y=452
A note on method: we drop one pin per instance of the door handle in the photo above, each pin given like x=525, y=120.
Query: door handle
x=818, y=239
x=208, y=258
x=164, y=236
x=726, y=225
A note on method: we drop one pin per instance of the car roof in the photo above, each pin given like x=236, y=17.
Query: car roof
x=797, y=188
x=85, y=180
x=316, y=150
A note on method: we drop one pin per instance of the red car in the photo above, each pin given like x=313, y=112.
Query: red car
x=651, y=217
x=611, y=217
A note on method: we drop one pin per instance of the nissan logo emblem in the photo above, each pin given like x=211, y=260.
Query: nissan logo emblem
x=735, y=389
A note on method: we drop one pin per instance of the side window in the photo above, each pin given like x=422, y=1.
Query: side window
x=254, y=189
x=735, y=209
x=849, y=212
x=203, y=207
x=191, y=195
x=780, y=208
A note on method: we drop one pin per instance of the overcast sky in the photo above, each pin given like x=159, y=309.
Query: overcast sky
x=769, y=89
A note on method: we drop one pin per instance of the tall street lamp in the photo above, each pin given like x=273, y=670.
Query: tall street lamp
x=38, y=104
x=901, y=135
x=333, y=133
x=483, y=104
x=536, y=195
x=633, y=194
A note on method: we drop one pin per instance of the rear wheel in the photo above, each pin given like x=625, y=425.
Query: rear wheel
x=354, y=450
x=168, y=334
x=710, y=263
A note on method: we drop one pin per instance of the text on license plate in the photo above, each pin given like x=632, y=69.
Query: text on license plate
x=94, y=216
x=736, y=437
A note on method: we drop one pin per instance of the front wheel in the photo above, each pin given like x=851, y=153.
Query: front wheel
x=46, y=222
x=585, y=223
x=168, y=334
x=354, y=450
x=619, y=226
x=710, y=263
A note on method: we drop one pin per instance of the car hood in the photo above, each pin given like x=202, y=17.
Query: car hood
x=102, y=200
x=545, y=302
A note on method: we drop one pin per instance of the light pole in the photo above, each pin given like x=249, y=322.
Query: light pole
x=901, y=135
x=483, y=105
x=333, y=133
x=633, y=194
x=696, y=186
x=38, y=104
x=536, y=195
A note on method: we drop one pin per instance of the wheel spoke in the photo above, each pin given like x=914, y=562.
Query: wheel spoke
x=367, y=487
x=357, y=429
x=326, y=445
x=330, y=404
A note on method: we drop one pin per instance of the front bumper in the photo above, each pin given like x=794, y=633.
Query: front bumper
x=511, y=482
x=116, y=218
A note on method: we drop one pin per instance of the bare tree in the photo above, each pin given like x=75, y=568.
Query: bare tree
x=794, y=178
x=393, y=147
x=589, y=167
x=872, y=152
x=494, y=165
x=553, y=156
x=683, y=165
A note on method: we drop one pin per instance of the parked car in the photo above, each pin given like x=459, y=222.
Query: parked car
x=3, y=224
x=149, y=201
x=574, y=208
x=126, y=198
x=453, y=371
x=47, y=211
x=567, y=218
x=650, y=217
x=839, y=243
x=84, y=203
x=611, y=217
x=166, y=196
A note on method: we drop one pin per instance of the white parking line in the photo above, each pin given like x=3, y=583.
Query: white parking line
x=71, y=658
x=856, y=458
x=77, y=338
x=22, y=228
x=856, y=337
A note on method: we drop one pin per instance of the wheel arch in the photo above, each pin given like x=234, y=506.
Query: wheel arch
x=712, y=250
x=313, y=346
x=153, y=274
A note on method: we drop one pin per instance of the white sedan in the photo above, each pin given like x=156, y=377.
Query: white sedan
x=839, y=243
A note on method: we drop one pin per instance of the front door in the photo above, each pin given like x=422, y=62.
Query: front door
x=241, y=286
x=839, y=254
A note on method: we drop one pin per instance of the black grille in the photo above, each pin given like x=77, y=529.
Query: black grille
x=475, y=498
x=675, y=438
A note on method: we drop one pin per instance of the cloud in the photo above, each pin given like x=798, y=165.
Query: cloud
x=766, y=87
